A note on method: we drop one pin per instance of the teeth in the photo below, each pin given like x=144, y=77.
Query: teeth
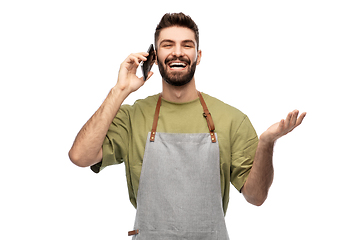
x=178, y=65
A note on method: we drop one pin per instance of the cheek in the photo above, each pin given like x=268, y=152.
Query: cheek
x=161, y=58
x=163, y=53
x=192, y=56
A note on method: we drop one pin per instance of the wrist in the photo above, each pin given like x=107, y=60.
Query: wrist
x=119, y=91
x=268, y=140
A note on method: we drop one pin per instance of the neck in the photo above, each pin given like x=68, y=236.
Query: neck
x=180, y=94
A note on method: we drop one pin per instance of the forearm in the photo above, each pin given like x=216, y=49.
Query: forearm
x=87, y=147
x=261, y=176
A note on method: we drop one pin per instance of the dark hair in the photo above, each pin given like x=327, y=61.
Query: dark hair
x=177, y=19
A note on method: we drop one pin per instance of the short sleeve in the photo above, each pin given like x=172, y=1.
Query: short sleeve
x=116, y=142
x=243, y=147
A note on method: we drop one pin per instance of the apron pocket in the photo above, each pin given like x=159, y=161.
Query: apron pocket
x=175, y=235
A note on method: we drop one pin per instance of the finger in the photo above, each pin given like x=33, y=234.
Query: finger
x=281, y=124
x=150, y=74
x=287, y=120
x=141, y=55
x=137, y=58
x=130, y=60
x=294, y=116
x=144, y=53
x=300, y=119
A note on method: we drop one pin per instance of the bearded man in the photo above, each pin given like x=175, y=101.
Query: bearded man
x=181, y=148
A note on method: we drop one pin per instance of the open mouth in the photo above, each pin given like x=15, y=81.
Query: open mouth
x=177, y=65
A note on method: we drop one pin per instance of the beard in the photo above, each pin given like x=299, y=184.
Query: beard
x=177, y=78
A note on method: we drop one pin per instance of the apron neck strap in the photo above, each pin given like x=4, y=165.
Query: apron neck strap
x=206, y=114
x=156, y=118
x=208, y=118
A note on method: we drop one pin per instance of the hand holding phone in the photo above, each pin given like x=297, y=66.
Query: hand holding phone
x=147, y=65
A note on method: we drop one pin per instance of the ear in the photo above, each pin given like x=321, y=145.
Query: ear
x=199, y=57
x=156, y=62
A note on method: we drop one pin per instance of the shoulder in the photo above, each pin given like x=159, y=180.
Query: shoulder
x=219, y=108
x=149, y=101
x=140, y=105
x=228, y=118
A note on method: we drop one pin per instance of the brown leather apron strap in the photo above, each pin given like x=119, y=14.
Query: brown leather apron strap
x=208, y=117
x=134, y=232
x=156, y=118
x=206, y=114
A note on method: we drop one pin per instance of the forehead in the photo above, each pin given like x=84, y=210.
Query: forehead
x=176, y=34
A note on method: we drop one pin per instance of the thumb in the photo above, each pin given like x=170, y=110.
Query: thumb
x=149, y=75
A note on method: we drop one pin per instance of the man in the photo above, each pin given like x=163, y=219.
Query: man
x=179, y=158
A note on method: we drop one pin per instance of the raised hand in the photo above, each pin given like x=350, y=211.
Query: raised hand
x=127, y=79
x=283, y=127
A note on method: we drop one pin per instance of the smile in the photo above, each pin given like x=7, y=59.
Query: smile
x=177, y=65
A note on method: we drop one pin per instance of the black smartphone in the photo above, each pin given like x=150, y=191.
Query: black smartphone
x=146, y=66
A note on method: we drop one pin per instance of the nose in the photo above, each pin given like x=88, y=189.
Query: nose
x=178, y=51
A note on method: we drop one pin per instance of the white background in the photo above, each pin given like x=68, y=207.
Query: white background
x=59, y=59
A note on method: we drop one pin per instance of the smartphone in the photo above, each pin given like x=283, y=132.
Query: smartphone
x=146, y=66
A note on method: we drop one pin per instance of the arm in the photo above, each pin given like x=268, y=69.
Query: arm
x=87, y=148
x=256, y=187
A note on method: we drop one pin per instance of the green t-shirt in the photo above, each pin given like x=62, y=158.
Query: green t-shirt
x=127, y=135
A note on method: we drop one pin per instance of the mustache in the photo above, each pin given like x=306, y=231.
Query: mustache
x=182, y=59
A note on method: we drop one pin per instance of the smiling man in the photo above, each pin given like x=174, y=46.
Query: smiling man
x=181, y=148
x=177, y=70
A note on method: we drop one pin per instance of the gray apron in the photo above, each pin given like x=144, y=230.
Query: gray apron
x=179, y=194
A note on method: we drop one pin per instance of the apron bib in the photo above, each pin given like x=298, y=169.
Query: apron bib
x=179, y=196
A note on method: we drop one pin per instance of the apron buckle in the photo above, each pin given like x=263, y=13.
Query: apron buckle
x=134, y=232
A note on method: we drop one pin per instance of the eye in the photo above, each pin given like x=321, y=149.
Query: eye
x=188, y=45
x=167, y=45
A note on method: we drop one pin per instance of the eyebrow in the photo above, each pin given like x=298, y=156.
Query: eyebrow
x=171, y=41
x=189, y=41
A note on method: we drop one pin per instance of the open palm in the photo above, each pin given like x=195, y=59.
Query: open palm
x=283, y=127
